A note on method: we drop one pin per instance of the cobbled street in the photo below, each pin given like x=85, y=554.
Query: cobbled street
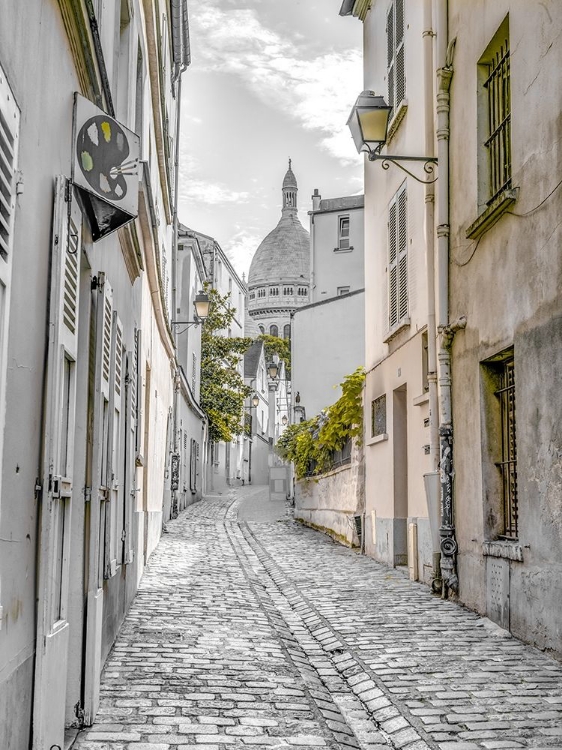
x=251, y=630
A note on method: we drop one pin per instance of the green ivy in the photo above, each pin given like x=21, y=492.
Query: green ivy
x=222, y=386
x=310, y=445
x=281, y=347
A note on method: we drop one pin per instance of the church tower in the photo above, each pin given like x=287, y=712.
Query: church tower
x=279, y=277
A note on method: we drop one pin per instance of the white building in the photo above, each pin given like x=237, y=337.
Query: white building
x=256, y=439
x=87, y=360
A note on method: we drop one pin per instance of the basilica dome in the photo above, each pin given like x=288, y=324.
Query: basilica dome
x=279, y=277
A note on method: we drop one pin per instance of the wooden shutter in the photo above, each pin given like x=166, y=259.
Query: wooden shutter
x=390, y=47
x=402, y=243
x=114, y=513
x=396, y=72
x=392, y=266
x=9, y=139
x=129, y=492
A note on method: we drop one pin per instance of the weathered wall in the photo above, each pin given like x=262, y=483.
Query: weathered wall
x=329, y=502
x=508, y=284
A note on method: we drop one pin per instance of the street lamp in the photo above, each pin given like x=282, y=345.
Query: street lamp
x=201, y=305
x=273, y=370
x=368, y=123
x=255, y=399
x=284, y=420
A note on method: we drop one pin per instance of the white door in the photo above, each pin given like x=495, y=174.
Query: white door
x=99, y=495
x=57, y=479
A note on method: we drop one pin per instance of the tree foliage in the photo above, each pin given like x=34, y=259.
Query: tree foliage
x=310, y=445
x=281, y=347
x=222, y=386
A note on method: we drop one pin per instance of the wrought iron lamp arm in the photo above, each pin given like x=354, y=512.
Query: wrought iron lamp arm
x=388, y=159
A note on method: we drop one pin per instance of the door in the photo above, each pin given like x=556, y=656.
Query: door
x=102, y=302
x=57, y=473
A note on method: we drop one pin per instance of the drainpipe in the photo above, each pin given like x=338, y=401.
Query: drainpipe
x=446, y=330
x=428, y=36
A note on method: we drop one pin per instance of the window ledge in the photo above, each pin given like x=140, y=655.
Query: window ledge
x=503, y=548
x=405, y=323
x=377, y=439
x=394, y=124
x=343, y=249
x=420, y=400
x=491, y=214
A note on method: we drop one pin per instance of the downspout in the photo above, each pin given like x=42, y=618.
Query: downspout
x=428, y=36
x=447, y=331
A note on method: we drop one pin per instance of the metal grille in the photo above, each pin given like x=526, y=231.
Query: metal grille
x=499, y=121
x=508, y=464
x=378, y=416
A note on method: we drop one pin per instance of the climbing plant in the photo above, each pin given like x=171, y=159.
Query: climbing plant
x=281, y=347
x=310, y=444
x=222, y=386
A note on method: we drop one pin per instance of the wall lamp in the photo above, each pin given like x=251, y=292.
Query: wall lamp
x=273, y=372
x=284, y=420
x=255, y=399
x=368, y=123
x=201, y=305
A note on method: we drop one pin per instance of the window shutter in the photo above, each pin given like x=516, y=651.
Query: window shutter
x=390, y=47
x=114, y=513
x=392, y=266
x=402, y=240
x=130, y=481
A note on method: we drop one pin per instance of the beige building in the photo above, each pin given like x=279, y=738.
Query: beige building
x=463, y=303
x=398, y=447
x=88, y=102
x=505, y=273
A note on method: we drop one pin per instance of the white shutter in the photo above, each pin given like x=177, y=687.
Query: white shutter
x=402, y=242
x=129, y=491
x=392, y=266
x=396, y=73
x=58, y=461
x=114, y=513
x=9, y=139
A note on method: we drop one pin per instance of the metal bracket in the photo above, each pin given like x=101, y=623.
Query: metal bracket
x=386, y=160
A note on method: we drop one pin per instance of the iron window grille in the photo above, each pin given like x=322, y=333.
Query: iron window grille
x=498, y=143
x=396, y=75
x=378, y=416
x=508, y=463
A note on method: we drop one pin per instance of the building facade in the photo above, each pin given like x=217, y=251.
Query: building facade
x=279, y=276
x=505, y=270
x=256, y=439
x=87, y=360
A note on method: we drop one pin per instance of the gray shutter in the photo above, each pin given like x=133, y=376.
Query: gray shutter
x=402, y=240
x=392, y=266
x=390, y=47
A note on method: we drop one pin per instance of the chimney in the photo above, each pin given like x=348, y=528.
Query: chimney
x=316, y=198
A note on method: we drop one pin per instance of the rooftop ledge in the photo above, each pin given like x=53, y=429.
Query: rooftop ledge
x=492, y=213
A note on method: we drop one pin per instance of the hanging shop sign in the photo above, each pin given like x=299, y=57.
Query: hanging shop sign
x=105, y=168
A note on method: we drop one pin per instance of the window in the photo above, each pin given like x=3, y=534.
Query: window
x=261, y=293
x=274, y=291
x=302, y=291
x=288, y=291
x=262, y=329
x=343, y=233
x=252, y=295
x=287, y=331
x=343, y=290
x=273, y=330
x=508, y=463
x=396, y=76
x=378, y=416
x=398, y=260
x=494, y=117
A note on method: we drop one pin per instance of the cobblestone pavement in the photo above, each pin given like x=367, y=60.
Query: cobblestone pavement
x=250, y=630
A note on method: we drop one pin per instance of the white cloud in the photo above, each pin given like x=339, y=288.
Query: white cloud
x=200, y=191
x=241, y=248
x=317, y=92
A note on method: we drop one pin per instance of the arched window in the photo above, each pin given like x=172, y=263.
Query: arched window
x=262, y=329
x=287, y=331
x=273, y=331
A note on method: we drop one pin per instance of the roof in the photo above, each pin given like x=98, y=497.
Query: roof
x=290, y=180
x=252, y=359
x=341, y=204
x=283, y=256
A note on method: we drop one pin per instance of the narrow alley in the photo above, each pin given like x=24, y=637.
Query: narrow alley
x=251, y=630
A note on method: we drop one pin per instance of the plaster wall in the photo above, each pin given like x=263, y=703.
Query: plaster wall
x=508, y=283
x=333, y=268
x=327, y=344
x=330, y=501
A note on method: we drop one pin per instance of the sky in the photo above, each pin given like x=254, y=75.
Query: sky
x=269, y=80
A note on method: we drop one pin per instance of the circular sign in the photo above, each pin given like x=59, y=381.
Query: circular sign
x=102, y=151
